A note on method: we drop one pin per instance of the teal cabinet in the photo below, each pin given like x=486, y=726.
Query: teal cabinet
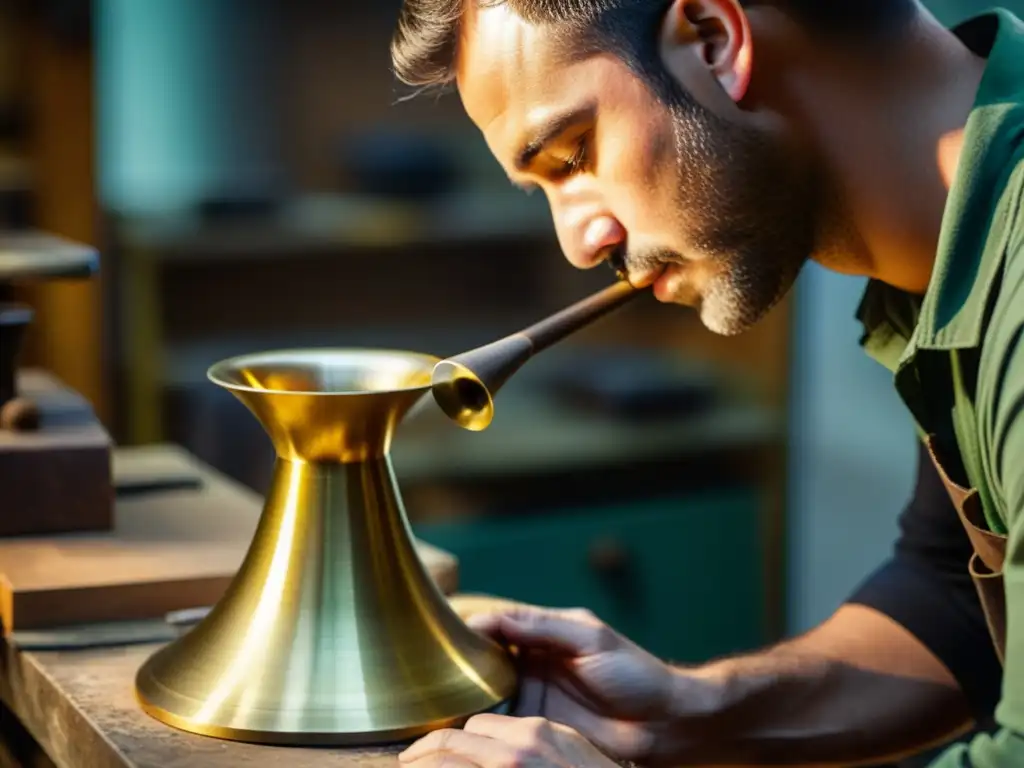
x=680, y=576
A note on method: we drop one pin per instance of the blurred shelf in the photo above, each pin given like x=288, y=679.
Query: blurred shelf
x=27, y=255
x=329, y=223
x=308, y=227
x=533, y=436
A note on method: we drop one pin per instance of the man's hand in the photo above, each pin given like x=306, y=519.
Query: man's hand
x=497, y=741
x=578, y=672
x=857, y=690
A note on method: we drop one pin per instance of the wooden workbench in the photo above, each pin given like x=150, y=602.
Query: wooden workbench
x=80, y=708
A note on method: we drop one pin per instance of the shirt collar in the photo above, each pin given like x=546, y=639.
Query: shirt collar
x=951, y=314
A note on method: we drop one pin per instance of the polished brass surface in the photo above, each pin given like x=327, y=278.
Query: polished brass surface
x=465, y=385
x=332, y=632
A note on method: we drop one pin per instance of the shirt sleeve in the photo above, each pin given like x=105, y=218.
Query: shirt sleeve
x=926, y=588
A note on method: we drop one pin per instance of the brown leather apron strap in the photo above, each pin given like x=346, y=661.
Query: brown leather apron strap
x=992, y=594
x=990, y=547
x=986, y=565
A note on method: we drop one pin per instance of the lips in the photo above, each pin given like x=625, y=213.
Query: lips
x=617, y=260
x=663, y=288
x=647, y=277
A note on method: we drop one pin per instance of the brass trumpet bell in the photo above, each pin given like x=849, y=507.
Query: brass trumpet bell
x=332, y=632
x=464, y=386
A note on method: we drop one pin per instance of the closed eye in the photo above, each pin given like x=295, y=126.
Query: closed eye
x=554, y=168
x=578, y=160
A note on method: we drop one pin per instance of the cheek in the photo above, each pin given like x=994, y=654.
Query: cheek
x=642, y=180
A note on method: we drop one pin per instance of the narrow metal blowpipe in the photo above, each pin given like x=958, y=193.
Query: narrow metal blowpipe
x=464, y=386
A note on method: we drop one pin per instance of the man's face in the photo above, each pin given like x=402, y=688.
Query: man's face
x=716, y=208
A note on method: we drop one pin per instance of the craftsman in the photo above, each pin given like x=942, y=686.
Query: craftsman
x=710, y=148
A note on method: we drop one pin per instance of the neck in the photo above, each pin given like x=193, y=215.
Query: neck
x=889, y=130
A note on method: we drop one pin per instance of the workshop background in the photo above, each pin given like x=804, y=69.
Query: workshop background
x=254, y=181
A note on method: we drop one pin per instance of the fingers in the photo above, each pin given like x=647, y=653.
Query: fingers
x=442, y=760
x=490, y=619
x=489, y=622
x=499, y=726
x=520, y=731
x=574, y=632
x=500, y=746
x=465, y=745
x=543, y=738
x=493, y=741
x=486, y=623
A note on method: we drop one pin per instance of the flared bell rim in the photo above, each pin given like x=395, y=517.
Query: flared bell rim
x=224, y=372
x=393, y=740
x=462, y=395
x=158, y=702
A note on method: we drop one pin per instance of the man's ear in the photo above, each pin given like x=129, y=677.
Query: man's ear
x=718, y=33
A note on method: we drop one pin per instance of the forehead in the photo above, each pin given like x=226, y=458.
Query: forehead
x=510, y=72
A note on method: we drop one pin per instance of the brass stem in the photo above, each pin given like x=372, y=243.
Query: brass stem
x=564, y=323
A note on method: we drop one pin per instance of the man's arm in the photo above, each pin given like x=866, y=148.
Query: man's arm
x=857, y=690
x=906, y=664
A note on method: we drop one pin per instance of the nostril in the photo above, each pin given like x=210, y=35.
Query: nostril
x=601, y=236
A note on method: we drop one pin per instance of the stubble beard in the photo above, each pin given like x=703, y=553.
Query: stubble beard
x=749, y=207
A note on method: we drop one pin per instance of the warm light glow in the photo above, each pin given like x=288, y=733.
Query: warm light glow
x=948, y=154
x=255, y=643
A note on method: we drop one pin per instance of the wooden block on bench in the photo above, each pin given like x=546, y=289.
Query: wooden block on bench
x=56, y=479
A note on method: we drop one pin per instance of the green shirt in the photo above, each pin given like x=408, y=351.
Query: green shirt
x=971, y=321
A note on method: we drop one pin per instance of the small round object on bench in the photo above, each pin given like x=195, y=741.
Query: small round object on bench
x=19, y=415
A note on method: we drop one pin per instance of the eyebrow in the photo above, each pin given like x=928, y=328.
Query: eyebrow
x=548, y=130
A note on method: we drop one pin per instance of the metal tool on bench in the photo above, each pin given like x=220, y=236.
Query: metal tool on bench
x=54, y=453
x=332, y=632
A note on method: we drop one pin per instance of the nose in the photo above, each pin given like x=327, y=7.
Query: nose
x=587, y=243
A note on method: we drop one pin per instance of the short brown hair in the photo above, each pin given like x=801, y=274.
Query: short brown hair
x=425, y=42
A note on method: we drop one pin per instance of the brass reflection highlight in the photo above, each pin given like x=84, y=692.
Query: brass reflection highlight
x=332, y=632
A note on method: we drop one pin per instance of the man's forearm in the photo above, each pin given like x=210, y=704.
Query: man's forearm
x=857, y=690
